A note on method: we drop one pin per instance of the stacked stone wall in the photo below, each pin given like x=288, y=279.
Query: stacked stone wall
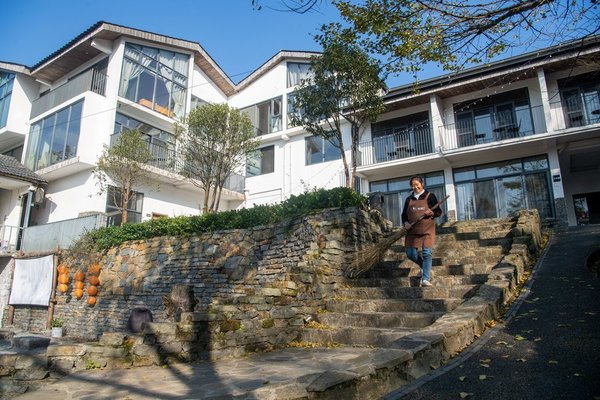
x=254, y=287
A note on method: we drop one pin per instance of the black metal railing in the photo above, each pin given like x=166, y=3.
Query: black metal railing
x=493, y=127
x=395, y=143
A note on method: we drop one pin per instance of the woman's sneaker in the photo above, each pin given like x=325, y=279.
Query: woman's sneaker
x=426, y=283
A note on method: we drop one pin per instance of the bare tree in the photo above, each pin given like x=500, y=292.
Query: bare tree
x=123, y=165
x=407, y=34
x=215, y=140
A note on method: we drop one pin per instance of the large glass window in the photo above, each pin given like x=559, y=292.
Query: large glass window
x=155, y=78
x=296, y=72
x=503, y=116
x=55, y=138
x=265, y=116
x=502, y=189
x=6, y=85
x=402, y=137
x=395, y=191
x=261, y=162
x=134, y=206
x=152, y=135
x=320, y=150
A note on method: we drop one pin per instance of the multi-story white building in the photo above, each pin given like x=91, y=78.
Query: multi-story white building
x=518, y=133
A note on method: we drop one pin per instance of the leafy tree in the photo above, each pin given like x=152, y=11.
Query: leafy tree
x=344, y=85
x=123, y=165
x=215, y=142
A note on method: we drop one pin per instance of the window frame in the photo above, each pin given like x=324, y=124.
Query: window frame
x=323, y=147
x=137, y=197
x=266, y=164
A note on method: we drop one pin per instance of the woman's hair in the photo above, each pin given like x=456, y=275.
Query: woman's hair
x=416, y=178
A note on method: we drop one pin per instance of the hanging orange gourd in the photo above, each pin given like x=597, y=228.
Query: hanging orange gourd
x=62, y=269
x=63, y=288
x=92, y=290
x=79, y=276
x=94, y=269
x=94, y=281
x=78, y=293
x=91, y=300
x=79, y=285
x=64, y=278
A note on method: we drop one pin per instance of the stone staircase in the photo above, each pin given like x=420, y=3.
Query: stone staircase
x=386, y=303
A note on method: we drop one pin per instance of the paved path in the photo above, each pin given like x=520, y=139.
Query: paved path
x=548, y=349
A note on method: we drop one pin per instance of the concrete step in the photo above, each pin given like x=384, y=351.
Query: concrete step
x=379, y=319
x=392, y=305
x=435, y=292
x=376, y=337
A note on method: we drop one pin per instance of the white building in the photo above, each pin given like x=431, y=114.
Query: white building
x=519, y=133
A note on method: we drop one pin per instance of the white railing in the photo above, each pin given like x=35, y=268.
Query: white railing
x=9, y=239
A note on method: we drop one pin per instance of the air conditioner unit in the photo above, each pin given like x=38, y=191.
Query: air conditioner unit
x=39, y=196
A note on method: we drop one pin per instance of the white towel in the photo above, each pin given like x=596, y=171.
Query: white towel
x=32, y=281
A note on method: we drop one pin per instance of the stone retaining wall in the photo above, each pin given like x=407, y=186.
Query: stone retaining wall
x=254, y=287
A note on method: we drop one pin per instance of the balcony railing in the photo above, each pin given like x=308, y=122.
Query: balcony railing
x=41, y=238
x=9, y=239
x=169, y=160
x=493, y=127
x=395, y=144
x=576, y=112
x=92, y=80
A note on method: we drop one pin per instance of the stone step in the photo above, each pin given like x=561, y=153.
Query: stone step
x=392, y=270
x=379, y=319
x=462, y=291
x=392, y=305
x=30, y=342
x=412, y=281
x=475, y=226
x=376, y=337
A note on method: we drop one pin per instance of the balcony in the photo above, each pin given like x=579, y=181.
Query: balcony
x=92, y=80
x=395, y=144
x=576, y=110
x=485, y=126
x=9, y=239
x=169, y=160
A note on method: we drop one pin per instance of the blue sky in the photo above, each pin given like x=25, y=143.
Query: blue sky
x=239, y=38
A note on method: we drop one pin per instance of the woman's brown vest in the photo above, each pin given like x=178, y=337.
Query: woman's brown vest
x=422, y=234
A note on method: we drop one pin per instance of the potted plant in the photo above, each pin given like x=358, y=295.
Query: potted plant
x=57, y=327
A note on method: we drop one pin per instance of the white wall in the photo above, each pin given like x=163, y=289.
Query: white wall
x=23, y=93
x=204, y=88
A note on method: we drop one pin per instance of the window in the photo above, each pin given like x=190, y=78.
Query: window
x=261, y=162
x=197, y=102
x=134, y=206
x=296, y=72
x=266, y=116
x=55, y=138
x=402, y=137
x=152, y=135
x=320, y=150
x=503, y=116
x=396, y=190
x=6, y=85
x=500, y=190
x=155, y=78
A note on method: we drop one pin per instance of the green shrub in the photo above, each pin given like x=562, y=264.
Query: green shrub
x=293, y=207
